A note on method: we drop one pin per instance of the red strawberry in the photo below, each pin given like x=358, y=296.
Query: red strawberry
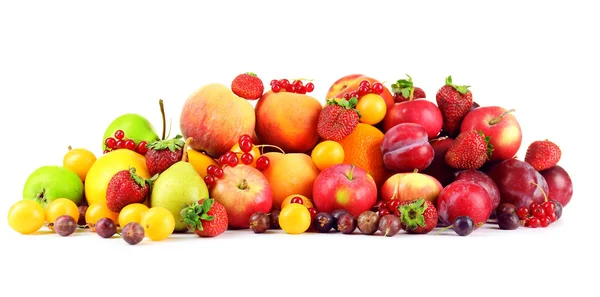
x=470, y=150
x=207, y=218
x=248, y=86
x=404, y=90
x=542, y=154
x=418, y=216
x=454, y=103
x=162, y=154
x=338, y=119
x=127, y=187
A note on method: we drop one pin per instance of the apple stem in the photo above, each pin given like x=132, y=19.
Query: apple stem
x=269, y=145
x=185, y=148
x=69, y=148
x=543, y=192
x=497, y=120
x=351, y=172
x=164, y=122
x=243, y=185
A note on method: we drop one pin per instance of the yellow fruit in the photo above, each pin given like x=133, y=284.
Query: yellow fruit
x=158, y=223
x=106, y=167
x=327, y=153
x=294, y=219
x=26, y=216
x=132, y=213
x=372, y=108
x=200, y=161
x=95, y=212
x=59, y=207
x=79, y=160
x=306, y=202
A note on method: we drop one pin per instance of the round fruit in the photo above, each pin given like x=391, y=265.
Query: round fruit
x=506, y=208
x=255, y=152
x=558, y=208
x=80, y=161
x=95, y=212
x=508, y=221
x=106, y=228
x=65, y=225
x=133, y=233
x=158, y=223
x=368, y=222
x=274, y=216
x=132, y=213
x=336, y=214
x=288, y=200
x=262, y=163
x=389, y=225
x=327, y=153
x=463, y=225
x=372, y=108
x=323, y=222
x=26, y=216
x=60, y=207
x=259, y=222
x=200, y=161
x=294, y=218
x=346, y=223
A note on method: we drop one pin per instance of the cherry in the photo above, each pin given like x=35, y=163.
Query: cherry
x=313, y=212
x=246, y=145
x=211, y=169
x=377, y=88
x=534, y=205
x=549, y=207
x=111, y=142
x=210, y=180
x=297, y=200
x=522, y=212
x=262, y=163
x=276, y=88
x=120, y=144
x=142, y=147
x=545, y=221
x=119, y=134
x=310, y=87
x=223, y=159
x=553, y=217
x=275, y=83
x=218, y=172
x=130, y=145
x=301, y=89
x=247, y=158
x=233, y=160
x=532, y=222
x=364, y=83
x=538, y=213
x=393, y=205
x=383, y=212
x=284, y=83
x=363, y=90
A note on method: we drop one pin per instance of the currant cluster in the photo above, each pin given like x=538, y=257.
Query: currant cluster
x=540, y=215
x=365, y=88
x=297, y=86
x=120, y=142
x=385, y=208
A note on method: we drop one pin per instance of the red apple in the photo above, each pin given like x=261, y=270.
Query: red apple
x=438, y=168
x=483, y=180
x=560, y=186
x=243, y=190
x=419, y=111
x=500, y=125
x=519, y=183
x=411, y=186
x=464, y=198
x=344, y=186
x=406, y=148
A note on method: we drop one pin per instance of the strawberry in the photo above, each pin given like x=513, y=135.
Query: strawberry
x=338, y=118
x=248, y=86
x=207, y=217
x=542, y=154
x=470, y=150
x=418, y=216
x=404, y=90
x=127, y=187
x=162, y=154
x=454, y=103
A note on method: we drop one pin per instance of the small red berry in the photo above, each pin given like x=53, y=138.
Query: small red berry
x=363, y=90
x=532, y=222
x=247, y=158
x=354, y=94
x=290, y=88
x=549, y=207
x=538, y=213
x=262, y=163
x=110, y=142
x=142, y=147
x=301, y=89
x=397, y=213
x=534, y=205
x=106, y=151
x=298, y=83
x=383, y=212
x=364, y=83
x=223, y=159
x=245, y=136
x=310, y=87
x=211, y=169
x=233, y=160
x=522, y=212
x=545, y=221
x=284, y=83
x=276, y=88
x=130, y=145
x=120, y=144
x=380, y=205
x=297, y=200
x=313, y=212
x=119, y=134
x=346, y=95
x=553, y=217
x=218, y=172
x=275, y=83
x=246, y=145
x=229, y=154
x=377, y=88
x=209, y=180
x=393, y=205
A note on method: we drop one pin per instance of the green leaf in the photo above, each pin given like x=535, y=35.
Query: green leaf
x=207, y=204
x=449, y=80
x=352, y=102
x=420, y=220
x=405, y=93
x=462, y=89
x=206, y=217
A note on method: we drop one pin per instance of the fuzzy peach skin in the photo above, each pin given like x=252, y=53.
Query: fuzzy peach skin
x=215, y=118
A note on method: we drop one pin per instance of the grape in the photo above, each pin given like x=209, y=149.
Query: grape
x=65, y=225
x=508, y=221
x=106, y=228
x=274, y=215
x=559, y=208
x=368, y=222
x=389, y=225
x=463, y=225
x=336, y=214
x=132, y=233
x=259, y=222
x=346, y=223
x=506, y=208
x=323, y=222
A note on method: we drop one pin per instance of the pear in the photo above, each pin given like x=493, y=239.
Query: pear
x=178, y=187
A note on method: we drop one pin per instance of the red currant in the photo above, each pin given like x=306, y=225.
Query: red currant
x=262, y=163
x=111, y=142
x=246, y=145
x=142, y=147
x=106, y=151
x=246, y=137
x=532, y=222
x=534, y=205
x=298, y=83
x=275, y=83
x=297, y=200
x=233, y=160
x=549, y=207
x=247, y=158
x=223, y=159
x=290, y=88
x=120, y=144
x=538, y=213
x=364, y=83
x=284, y=83
x=211, y=169
x=346, y=95
x=363, y=90
x=119, y=134
x=218, y=172
x=553, y=217
x=545, y=221
x=310, y=87
x=313, y=212
x=301, y=89
x=380, y=205
x=210, y=180
x=130, y=145
x=229, y=154
x=354, y=94
x=522, y=212
x=383, y=212
x=377, y=88
x=276, y=88
x=397, y=213
x=393, y=205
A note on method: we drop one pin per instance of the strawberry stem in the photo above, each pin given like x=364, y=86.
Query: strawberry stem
x=461, y=89
x=497, y=120
x=164, y=122
x=543, y=192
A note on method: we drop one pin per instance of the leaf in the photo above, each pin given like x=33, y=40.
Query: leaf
x=449, y=80
x=420, y=220
x=206, y=217
x=462, y=89
x=405, y=93
x=207, y=204
x=352, y=102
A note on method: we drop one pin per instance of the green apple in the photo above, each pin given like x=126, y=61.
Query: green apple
x=48, y=183
x=134, y=126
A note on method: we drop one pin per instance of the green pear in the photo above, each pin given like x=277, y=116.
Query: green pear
x=134, y=126
x=48, y=183
x=176, y=188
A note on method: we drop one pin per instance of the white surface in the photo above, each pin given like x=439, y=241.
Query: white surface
x=67, y=69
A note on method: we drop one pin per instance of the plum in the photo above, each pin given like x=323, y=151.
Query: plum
x=438, y=168
x=406, y=147
x=560, y=186
x=422, y=112
x=464, y=198
x=483, y=180
x=519, y=183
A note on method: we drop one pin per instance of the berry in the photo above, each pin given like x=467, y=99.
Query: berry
x=553, y=217
x=130, y=145
x=346, y=223
x=209, y=180
x=418, y=216
x=336, y=214
x=119, y=134
x=110, y=142
x=127, y=187
x=142, y=148
x=290, y=88
x=211, y=169
x=377, y=88
x=463, y=225
x=297, y=200
x=338, y=119
x=542, y=154
x=246, y=145
x=106, y=227
x=364, y=83
x=368, y=222
x=259, y=222
x=533, y=206
x=262, y=163
x=470, y=150
x=274, y=215
x=133, y=233
x=164, y=153
x=106, y=151
x=276, y=88
x=522, y=212
x=549, y=207
x=354, y=94
x=559, y=208
x=120, y=144
x=532, y=222
x=298, y=83
x=380, y=205
x=207, y=217
x=65, y=225
x=404, y=90
x=538, y=213
x=218, y=172
x=323, y=222
x=545, y=221
x=508, y=221
x=346, y=96
x=389, y=225
x=313, y=212
x=300, y=89
x=454, y=102
x=247, y=158
x=393, y=205
x=310, y=87
x=248, y=86
x=245, y=137
x=284, y=83
x=274, y=83
x=233, y=160
x=223, y=159
x=363, y=90
x=383, y=212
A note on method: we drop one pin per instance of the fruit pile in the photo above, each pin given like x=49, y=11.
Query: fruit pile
x=370, y=160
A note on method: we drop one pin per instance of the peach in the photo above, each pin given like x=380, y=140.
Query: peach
x=288, y=120
x=215, y=118
x=289, y=174
x=411, y=186
x=350, y=83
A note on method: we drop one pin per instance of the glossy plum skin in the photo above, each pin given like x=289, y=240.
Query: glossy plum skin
x=438, y=168
x=418, y=111
x=517, y=181
x=406, y=147
x=464, y=198
x=483, y=180
x=560, y=185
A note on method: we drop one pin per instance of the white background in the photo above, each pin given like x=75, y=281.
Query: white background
x=68, y=68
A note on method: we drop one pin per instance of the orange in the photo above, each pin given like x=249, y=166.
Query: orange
x=363, y=149
x=287, y=200
x=327, y=154
x=372, y=107
x=200, y=161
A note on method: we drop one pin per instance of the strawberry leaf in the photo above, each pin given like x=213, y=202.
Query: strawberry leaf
x=412, y=214
x=172, y=144
x=461, y=89
x=405, y=93
x=352, y=102
x=195, y=213
x=404, y=87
